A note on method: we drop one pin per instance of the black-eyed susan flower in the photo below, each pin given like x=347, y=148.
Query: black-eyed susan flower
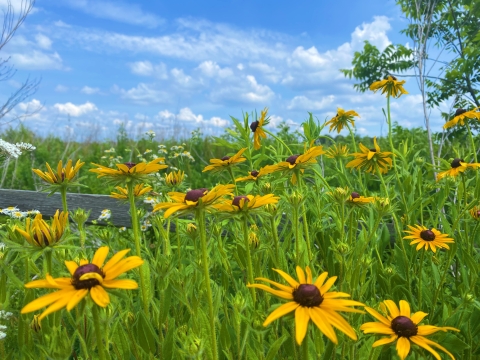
x=63, y=174
x=402, y=327
x=39, y=233
x=337, y=152
x=245, y=203
x=225, y=162
x=369, y=159
x=86, y=278
x=174, y=178
x=342, y=119
x=475, y=212
x=358, y=200
x=129, y=170
x=257, y=129
x=390, y=85
x=425, y=237
x=253, y=175
x=457, y=167
x=297, y=162
x=461, y=115
x=311, y=300
x=122, y=194
x=193, y=199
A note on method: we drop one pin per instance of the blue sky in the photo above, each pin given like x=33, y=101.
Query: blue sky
x=173, y=66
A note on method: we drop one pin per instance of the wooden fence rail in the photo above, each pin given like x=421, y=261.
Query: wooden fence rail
x=32, y=200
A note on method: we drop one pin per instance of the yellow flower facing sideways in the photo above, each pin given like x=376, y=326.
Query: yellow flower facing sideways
x=86, y=278
x=369, y=159
x=311, y=300
x=217, y=165
x=63, y=174
x=457, y=167
x=401, y=325
x=174, y=178
x=122, y=194
x=461, y=115
x=39, y=233
x=242, y=203
x=129, y=170
x=391, y=86
x=257, y=129
x=341, y=120
x=190, y=200
x=253, y=175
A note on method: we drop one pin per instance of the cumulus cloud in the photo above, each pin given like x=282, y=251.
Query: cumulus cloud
x=146, y=68
x=186, y=115
x=89, y=90
x=143, y=94
x=302, y=102
x=246, y=90
x=36, y=60
x=212, y=69
x=61, y=88
x=43, y=41
x=75, y=110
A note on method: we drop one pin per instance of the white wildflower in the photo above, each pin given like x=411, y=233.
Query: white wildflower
x=105, y=215
x=25, y=146
x=9, y=150
x=122, y=229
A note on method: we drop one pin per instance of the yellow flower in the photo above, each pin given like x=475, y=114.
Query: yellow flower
x=475, y=212
x=425, y=237
x=64, y=174
x=253, y=175
x=257, y=129
x=457, y=166
x=369, y=159
x=129, y=170
x=246, y=203
x=122, y=194
x=221, y=164
x=194, y=198
x=390, y=85
x=402, y=326
x=341, y=120
x=461, y=115
x=337, y=152
x=311, y=300
x=85, y=278
x=358, y=200
x=174, y=178
x=296, y=162
x=38, y=233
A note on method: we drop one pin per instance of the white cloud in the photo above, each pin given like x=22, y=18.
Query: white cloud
x=143, y=94
x=188, y=116
x=375, y=32
x=118, y=11
x=43, y=41
x=61, y=88
x=146, y=68
x=36, y=60
x=75, y=110
x=303, y=103
x=212, y=69
x=185, y=81
x=89, y=90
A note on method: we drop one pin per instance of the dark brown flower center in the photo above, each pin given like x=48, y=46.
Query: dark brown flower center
x=194, y=195
x=460, y=112
x=403, y=326
x=456, y=163
x=478, y=213
x=254, y=173
x=225, y=158
x=307, y=295
x=393, y=77
x=254, y=126
x=355, y=195
x=87, y=283
x=291, y=159
x=129, y=164
x=236, y=200
x=373, y=150
x=427, y=235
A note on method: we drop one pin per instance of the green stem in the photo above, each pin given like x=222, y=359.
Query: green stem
x=279, y=140
x=200, y=219
x=355, y=149
x=420, y=277
x=405, y=258
x=63, y=193
x=305, y=354
x=136, y=237
x=98, y=332
x=249, y=257
x=48, y=257
x=297, y=234
x=304, y=215
x=442, y=279
x=382, y=180
x=230, y=171
x=179, y=249
x=275, y=240
x=167, y=250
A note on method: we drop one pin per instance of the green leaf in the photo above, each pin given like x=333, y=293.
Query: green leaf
x=275, y=347
x=145, y=332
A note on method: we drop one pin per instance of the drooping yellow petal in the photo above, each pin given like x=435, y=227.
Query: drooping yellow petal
x=293, y=283
x=320, y=320
x=281, y=311
x=100, y=296
x=279, y=293
x=76, y=298
x=377, y=315
x=280, y=286
x=114, y=260
x=403, y=347
x=301, y=323
x=341, y=324
x=385, y=341
x=123, y=266
x=47, y=299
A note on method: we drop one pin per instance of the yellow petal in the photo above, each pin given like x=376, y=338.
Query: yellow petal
x=320, y=280
x=100, y=296
x=320, y=320
x=301, y=323
x=47, y=299
x=76, y=298
x=123, y=266
x=378, y=316
x=404, y=308
x=309, y=275
x=59, y=304
x=100, y=256
x=403, y=347
x=115, y=259
x=120, y=284
x=301, y=275
x=281, y=311
x=278, y=285
x=341, y=324
x=293, y=283
x=328, y=284
x=392, y=308
x=279, y=293
x=385, y=341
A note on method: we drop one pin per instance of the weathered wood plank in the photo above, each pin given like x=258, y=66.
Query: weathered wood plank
x=47, y=205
